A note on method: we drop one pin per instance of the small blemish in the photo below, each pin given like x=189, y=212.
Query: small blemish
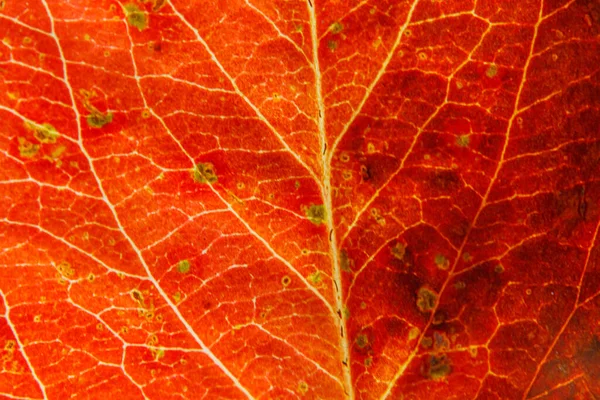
x=286, y=280
x=413, y=333
x=27, y=149
x=362, y=340
x=315, y=278
x=345, y=262
x=336, y=27
x=98, y=120
x=44, y=133
x=438, y=367
x=204, y=173
x=398, y=251
x=316, y=214
x=183, y=266
x=492, y=71
x=332, y=45
x=137, y=296
x=302, y=387
x=426, y=299
x=442, y=262
x=136, y=17
x=498, y=269
x=463, y=140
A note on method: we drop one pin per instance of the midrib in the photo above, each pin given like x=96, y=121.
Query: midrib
x=328, y=205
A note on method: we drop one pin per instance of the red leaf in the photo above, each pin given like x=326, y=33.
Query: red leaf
x=318, y=199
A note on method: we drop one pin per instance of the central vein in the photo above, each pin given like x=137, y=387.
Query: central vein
x=328, y=205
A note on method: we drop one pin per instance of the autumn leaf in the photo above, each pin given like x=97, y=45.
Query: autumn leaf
x=302, y=199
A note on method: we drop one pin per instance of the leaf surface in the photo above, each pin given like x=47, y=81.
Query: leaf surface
x=300, y=199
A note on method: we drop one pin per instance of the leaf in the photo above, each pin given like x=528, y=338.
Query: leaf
x=316, y=199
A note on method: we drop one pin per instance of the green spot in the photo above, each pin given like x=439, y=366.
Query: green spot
x=368, y=361
x=316, y=214
x=426, y=299
x=204, y=173
x=183, y=266
x=315, y=278
x=442, y=262
x=44, y=133
x=136, y=17
x=336, y=28
x=299, y=28
x=27, y=149
x=346, y=313
x=463, y=140
x=98, y=120
x=332, y=45
x=492, y=71
x=345, y=262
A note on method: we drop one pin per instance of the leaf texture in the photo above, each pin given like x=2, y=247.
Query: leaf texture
x=321, y=199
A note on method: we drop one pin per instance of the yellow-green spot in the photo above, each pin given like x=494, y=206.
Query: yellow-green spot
x=205, y=173
x=183, y=266
x=57, y=152
x=98, y=120
x=346, y=313
x=27, y=149
x=44, y=133
x=442, y=262
x=492, y=71
x=136, y=17
x=463, y=140
x=368, y=361
x=316, y=214
x=332, y=45
x=315, y=278
x=336, y=27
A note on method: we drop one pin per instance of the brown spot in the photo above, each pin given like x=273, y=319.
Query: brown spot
x=286, y=280
x=426, y=299
x=498, y=269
